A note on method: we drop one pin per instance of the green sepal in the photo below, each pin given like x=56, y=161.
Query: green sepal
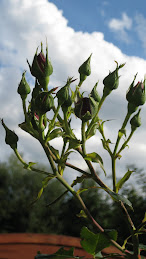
x=92, y=131
x=95, y=94
x=74, y=143
x=135, y=121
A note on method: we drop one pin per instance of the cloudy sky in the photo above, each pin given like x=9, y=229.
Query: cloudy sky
x=111, y=30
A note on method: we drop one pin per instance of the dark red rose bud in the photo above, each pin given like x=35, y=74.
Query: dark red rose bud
x=136, y=94
x=44, y=102
x=41, y=68
x=86, y=108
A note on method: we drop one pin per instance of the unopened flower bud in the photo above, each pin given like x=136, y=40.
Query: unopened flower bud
x=85, y=70
x=111, y=81
x=23, y=88
x=63, y=94
x=95, y=94
x=136, y=94
x=135, y=121
x=86, y=108
x=41, y=68
x=44, y=102
x=11, y=138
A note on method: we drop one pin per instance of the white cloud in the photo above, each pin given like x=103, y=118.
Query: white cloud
x=141, y=29
x=23, y=26
x=120, y=27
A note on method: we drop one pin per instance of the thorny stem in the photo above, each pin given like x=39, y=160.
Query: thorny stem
x=132, y=229
x=125, y=143
x=96, y=115
x=27, y=165
x=77, y=196
x=115, y=150
x=52, y=122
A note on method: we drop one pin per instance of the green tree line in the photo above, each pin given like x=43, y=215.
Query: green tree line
x=19, y=188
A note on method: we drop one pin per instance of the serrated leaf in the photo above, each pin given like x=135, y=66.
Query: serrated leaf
x=88, y=240
x=56, y=133
x=94, y=157
x=124, y=179
x=94, y=243
x=117, y=197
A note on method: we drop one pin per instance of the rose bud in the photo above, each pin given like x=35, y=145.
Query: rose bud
x=63, y=93
x=41, y=68
x=44, y=102
x=135, y=121
x=11, y=138
x=95, y=94
x=111, y=81
x=23, y=88
x=86, y=108
x=136, y=94
x=84, y=70
x=67, y=104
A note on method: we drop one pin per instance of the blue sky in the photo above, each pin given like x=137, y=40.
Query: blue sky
x=111, y=30
x=95, y=15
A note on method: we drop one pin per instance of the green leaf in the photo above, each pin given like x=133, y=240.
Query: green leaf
x=82, y=214
x=88, y=240
x=56, y=133
x=44, y=185
x=124, y=179
x=94, y=243
x=94, y=157
x=117, y=197
x=60, y=254
x=79, y=179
